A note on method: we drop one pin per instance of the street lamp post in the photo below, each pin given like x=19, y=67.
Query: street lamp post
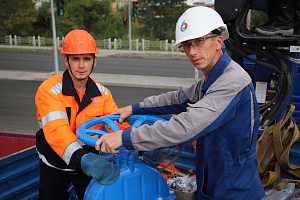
x=54, y=39
x=129, y=27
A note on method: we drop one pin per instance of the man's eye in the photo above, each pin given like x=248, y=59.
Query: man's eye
x=87, y=59
x=198, y=41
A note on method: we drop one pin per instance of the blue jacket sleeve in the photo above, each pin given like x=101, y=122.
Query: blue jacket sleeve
x=127, y=139
x=136, y=108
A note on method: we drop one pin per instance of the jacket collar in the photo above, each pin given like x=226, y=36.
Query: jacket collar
x=217, y=71
x=69, y=90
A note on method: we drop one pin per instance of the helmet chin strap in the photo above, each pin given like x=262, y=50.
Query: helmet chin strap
x=69, y=66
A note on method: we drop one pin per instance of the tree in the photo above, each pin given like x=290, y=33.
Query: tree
x=17, y=17
x=92, y=15
x=158, y=17
x=40, y=29
x=258, y=18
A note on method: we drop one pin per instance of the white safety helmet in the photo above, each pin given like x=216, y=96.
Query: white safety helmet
x=197, y=22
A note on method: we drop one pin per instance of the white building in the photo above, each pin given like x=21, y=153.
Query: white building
x=200, y=2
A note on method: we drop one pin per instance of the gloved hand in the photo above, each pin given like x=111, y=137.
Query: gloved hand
x=99, y=168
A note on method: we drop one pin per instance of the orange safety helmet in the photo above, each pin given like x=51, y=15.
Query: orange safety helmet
x=79, y=42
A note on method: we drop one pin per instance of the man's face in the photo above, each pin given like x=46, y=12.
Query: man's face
x=202, y=51
x=80, y=66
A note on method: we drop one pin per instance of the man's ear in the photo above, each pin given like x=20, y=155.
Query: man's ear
x=66, y=60
x=220, y=40
x=95, y=61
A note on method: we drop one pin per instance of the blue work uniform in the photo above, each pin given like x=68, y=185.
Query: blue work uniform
x=221, y=112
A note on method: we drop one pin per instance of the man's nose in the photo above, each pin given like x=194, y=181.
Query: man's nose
x=81, y=63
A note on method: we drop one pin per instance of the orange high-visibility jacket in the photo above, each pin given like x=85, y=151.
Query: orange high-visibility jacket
x=60, y=112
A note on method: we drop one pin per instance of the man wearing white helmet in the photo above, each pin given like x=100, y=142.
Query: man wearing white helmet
x=220, y=111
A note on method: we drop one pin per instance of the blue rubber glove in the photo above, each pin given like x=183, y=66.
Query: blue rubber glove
x=99, y=168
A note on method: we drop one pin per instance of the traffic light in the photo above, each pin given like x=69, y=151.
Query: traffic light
x=46, y=22
x=124, y=20
x=134, y=9
x=60, y=7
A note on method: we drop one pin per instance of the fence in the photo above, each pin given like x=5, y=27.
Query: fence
x=16, y=40
x=136, y=45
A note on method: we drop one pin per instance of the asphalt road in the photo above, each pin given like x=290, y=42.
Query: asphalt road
x=18, y=111
x=31, y=60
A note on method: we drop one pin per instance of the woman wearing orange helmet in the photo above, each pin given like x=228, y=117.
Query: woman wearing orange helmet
x=63, y=103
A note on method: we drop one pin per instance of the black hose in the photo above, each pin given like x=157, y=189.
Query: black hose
x=270, y=110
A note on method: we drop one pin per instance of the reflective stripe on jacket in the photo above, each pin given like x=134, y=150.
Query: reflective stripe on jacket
x=60, y=112
x=221, y=112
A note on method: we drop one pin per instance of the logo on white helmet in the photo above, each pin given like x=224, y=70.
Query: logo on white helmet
x=183, y=26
